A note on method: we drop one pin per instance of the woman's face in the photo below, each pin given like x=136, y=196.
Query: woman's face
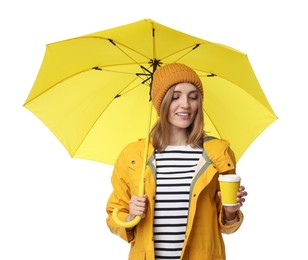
x=184, y=106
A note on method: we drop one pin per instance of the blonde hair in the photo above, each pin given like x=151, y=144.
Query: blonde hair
x=160, y=131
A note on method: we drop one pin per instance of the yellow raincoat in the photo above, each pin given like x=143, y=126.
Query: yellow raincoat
x=205, y=224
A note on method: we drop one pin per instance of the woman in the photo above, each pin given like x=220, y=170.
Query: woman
x=181, y=213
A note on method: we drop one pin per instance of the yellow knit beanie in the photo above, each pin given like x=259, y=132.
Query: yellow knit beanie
x=169, y=75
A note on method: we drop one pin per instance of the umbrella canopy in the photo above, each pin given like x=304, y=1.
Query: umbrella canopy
x=93, y=91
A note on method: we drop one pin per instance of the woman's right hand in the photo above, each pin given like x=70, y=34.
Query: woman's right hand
x=137, y=207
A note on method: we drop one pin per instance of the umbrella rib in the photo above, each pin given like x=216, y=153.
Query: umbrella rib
x=189, y=49
x=113, y=42
x=154, y=44
x=117, y=45
x=98, y=68
x=123, y=93
x=148, y=75
x=154, y=62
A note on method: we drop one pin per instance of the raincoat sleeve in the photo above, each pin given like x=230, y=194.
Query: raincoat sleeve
x=224, y=160
x=229, y=229
x=120, y=198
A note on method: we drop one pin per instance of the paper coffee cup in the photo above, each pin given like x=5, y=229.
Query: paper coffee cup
x=229, y=186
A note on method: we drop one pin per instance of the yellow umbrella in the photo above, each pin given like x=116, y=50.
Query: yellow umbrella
x=92, y=91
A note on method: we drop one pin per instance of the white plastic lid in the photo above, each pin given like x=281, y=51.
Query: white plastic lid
x=229, y=178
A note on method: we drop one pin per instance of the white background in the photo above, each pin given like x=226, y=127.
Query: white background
x=53, y=207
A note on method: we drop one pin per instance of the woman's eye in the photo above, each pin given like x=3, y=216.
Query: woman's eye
x=175, y=97
x=193, y=97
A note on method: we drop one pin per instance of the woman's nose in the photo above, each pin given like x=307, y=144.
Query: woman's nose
x=185, y=102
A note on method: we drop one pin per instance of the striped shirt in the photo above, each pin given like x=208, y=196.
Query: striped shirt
x=175, y=169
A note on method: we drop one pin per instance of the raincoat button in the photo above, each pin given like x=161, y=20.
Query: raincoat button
x=229, y=164
x=133, y=161
x=194, y=195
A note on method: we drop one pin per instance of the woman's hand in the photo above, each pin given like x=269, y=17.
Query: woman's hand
x=137, y=207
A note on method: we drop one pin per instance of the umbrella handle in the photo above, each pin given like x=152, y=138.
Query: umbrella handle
x=125, y=224
x=136, y=220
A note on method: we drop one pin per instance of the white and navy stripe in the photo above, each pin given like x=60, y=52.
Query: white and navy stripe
x=175, y=169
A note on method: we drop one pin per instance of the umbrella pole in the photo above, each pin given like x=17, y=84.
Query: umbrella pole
x=136, y=220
